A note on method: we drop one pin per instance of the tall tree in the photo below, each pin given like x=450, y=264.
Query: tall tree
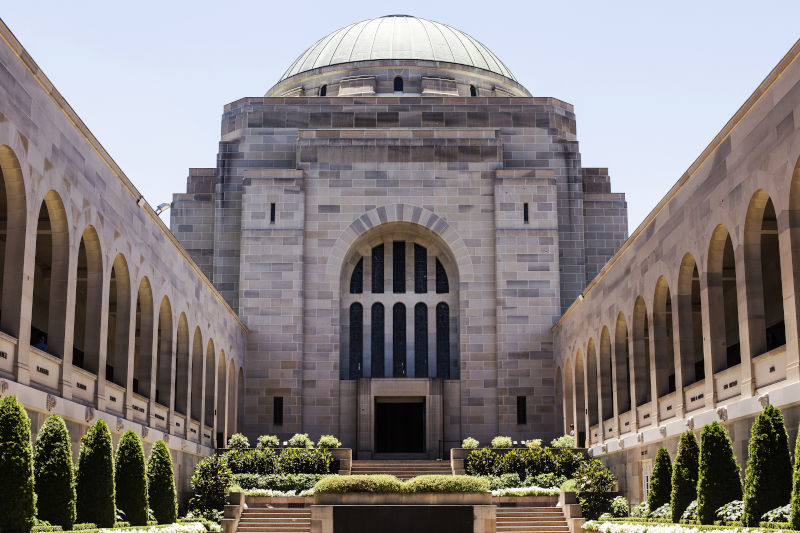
x=95, y=479
x=161, y=484
x=17, y=499
x=684, y=475
x=718, y=481
x=660, y=480
x=54, y=474
x=130, y=479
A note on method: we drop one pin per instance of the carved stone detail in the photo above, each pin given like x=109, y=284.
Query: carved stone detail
x=144, y=431
x=764, y=400
x=120, y=424
x=690, y=422
x=722, y=413
x=640, y=437
x=50, y=403
x=89, y=414
x=662, y=430
x=3, y=387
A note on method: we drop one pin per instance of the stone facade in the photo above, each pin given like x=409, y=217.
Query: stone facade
x=492, y=182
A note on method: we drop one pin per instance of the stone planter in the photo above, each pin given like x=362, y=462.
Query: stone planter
x=345, y=457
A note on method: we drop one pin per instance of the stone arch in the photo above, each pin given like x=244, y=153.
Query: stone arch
x=580, y=401
x=606, y=375
x=51, y=272
x=88, y=302
x=143, y=342
x=221, y=396
x=119, y=322
x=182, y=360
x=569, y=404
x=196, y=389
x=663, y=338
x=622, y=365
x=591, y=383
x=641, y=352
x=723, y=306
x=764, y=289
x=13, y=224
x=209, y=384
x=690, y=322
x=794, y=233
x=164, y=353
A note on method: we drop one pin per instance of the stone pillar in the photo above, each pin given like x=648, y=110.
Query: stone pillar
x=790, y=302
x=655, y=413
x=709, y=393
x=131, y=349
x=614, y=389
x=364, y=425
x=676, y=349
x=101, y=339
x=632, y=357
x=745, y=303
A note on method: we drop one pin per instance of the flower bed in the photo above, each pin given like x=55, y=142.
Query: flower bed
x=653, y=525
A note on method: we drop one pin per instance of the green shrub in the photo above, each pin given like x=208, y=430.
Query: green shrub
x=259, y=461
x=161, y=484
x=17, y=498
x=546, y=481
x=346, y=484
x=446, y=484
x=130, y=479
x=279, y=482
x=525, y=491
x=640, y=510
x=470, y=443
x=505, y=481
x=569, y=485
x=718, y=480
x=730, y=512
x=301, y=440
x=794, y=519
x=83, y=526
x=690, y=513
x=328, y=442
x=210, y=480
x=768, y=475
x=684, y=475
x=501, y=442
x=95, y=477
x=514, y=462
x=779, y=514
x=594, y=483
x=44, y=527
x=564, y=461
x=663, y=512
x=619, y=507
x=566, y=441
x=533, y=443
x=268, y=441
x=660, y=480
x=237, y=441
x=303, y=461
x=54, y=474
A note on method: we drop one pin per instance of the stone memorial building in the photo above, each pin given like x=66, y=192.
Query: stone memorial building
x=399, y=223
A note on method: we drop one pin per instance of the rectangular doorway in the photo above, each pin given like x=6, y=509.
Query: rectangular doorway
x=400, y=425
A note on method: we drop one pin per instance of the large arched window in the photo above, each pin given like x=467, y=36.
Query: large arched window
x=394, y=323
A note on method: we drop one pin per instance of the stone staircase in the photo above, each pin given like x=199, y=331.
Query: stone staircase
x=403, y=469
x=530, y=519
x=275, y=520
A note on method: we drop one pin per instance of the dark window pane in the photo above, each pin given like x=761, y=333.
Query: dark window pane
x=377, y=269
x=420, y=269
x=473, y=91
x=399, y=341
x=522, y=410
x=378, y=344
x=443, y=341
x=323, y=91
x=525, y=213
x=357, y=279
x=277, y=410
x=399, y=266
x=398, y=84
x=356, y=340
x=420, y=340
x=442, y=285
x=272, y=213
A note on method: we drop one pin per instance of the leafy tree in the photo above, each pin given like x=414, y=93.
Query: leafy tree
x=684, y=475
x=17, y=499
x=95, y=478
x=794, y=516
x=54, y=474
x=768, y=482
x=660, y=480
x=210, y=480
x=593, y=483
x=718, y=480
x=237, y=441
x=130, y=479
x=161, y=484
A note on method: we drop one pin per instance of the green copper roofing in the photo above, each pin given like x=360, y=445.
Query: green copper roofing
x=397, y=37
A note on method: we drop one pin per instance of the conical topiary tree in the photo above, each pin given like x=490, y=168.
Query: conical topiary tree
x=718, y=480
x=95, y=478
x=660, y=480
x=17, y=499
x=161, y=484
x=54, y=475
x=794, y=516
x=130, y=479
x=768, y=482
x=684, y=475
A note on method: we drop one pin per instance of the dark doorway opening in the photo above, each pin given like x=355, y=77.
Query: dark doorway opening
x=399, y=425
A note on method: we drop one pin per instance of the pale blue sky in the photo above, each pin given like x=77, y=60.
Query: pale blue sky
x=652, y=83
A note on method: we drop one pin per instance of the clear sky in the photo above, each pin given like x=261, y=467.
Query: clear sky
x=652, y=82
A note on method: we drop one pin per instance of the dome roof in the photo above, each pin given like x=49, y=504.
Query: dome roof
x=397, y=37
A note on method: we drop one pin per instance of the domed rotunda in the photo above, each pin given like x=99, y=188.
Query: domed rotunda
x=399, y=223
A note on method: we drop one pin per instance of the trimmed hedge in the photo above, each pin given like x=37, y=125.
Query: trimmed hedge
x=17, y=499
x=279, y=482
x=768, y=482
x=525, y=462
x=259, y=461
x=794, y=517
x=446, y=484
x=54, y=474
x=130, y=479
x=161, y=484
x=95, y=477
x=718, y=473
x=660, y=480
x=684, y=475
x=383, y=484
x=304, y=461
x=373, y=484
